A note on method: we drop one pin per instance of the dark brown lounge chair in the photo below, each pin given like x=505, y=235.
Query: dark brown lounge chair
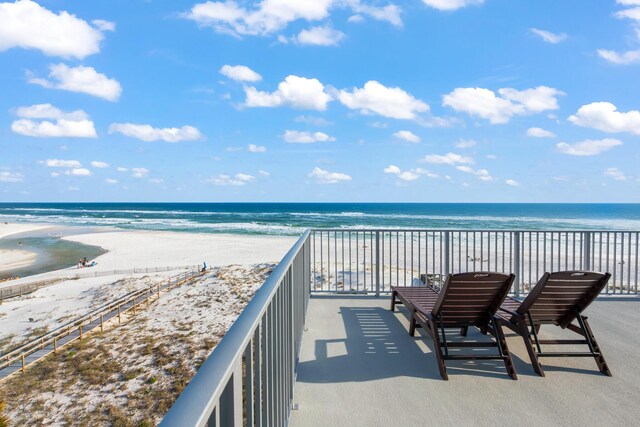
x=466, y=299
x=557, y=299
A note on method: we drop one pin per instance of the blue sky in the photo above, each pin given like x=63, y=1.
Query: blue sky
x=326, y=100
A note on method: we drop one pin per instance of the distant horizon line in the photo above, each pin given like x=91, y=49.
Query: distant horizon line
x=328, y=203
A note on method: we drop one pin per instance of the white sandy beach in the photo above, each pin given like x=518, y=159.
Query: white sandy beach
x=13, y=259
x=167, y=341
x=51, y=306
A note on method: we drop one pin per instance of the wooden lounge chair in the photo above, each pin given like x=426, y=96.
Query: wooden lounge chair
x=466, y=299
x=557, y=299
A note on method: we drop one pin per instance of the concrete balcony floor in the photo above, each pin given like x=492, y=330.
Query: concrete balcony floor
x=359, y=367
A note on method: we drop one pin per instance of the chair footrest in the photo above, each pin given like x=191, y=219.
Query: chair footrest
x=468, y=344
x=472, y=357
x=562, y=342
x=568, y=354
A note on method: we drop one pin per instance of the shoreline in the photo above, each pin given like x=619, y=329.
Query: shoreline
x=129, y=249
x=12, y=259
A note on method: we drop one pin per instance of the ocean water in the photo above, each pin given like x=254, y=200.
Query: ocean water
x=52, y=253
x=293, y=218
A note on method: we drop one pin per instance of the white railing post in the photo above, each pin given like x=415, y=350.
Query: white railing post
x=586, y=250
x=447, y=253
x=516, y=262
x=377, y=263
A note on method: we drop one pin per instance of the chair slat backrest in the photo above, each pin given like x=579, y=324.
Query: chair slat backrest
x=559, y=297
x=469, y=298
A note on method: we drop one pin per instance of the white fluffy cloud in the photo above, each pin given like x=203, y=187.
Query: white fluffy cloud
x=323, y=176
x=632, y=13
x=80, y=79
x=312, y=120
x=623, y=58
x=616, y=174
x=111, y=181
x=240, y=73
x=605, y=116
x=298, y=137
x=99, y=164
x=103, y=25
x=33, y=122
x=548, y=36
x=59, y=163
x=296, y=92
x=540, y=133
x=375, y=98
x=393, y=169
x=320, y=36
x=630, y=56
x=10, y=177
x=482, y=174
x=253, y=148
x=465, y=143
x=409, y=175
x=389, y=13
x=78, y=172
x=237, y=180
x=447, y=159
x=272, y=16
x=139, y=172
x=149, y=133
x=25, y=24
x=512, y=182
x=588, y=147
x=451, y=4
x=500, y=107
x=407, y=136
x=269, y=17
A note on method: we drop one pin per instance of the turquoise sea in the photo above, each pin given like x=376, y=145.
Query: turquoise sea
x=293, y=218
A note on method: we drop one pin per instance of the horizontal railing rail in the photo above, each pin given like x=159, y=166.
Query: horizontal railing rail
x=373, y=260
x=249, y=377
x=14, y=291
x=65, y=334
x=18, y=290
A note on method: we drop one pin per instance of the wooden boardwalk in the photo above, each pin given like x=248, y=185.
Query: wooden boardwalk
x=21, y=357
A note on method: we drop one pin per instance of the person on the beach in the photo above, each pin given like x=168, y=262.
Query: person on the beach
x=84, y=262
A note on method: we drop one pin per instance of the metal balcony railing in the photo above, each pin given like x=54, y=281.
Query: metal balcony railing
x=249, y=377
x=251, y=373
x=371, y=261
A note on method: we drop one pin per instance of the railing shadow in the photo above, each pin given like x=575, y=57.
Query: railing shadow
x=377, y=346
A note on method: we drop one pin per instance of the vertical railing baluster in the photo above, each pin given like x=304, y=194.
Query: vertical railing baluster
x=615, y=258
x=516, y=262
x=629, y=265
x=447, y=248
x=377, y=263
x=404, y=256
x=586, y=247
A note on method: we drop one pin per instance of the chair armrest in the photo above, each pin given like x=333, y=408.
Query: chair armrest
x=511, y=312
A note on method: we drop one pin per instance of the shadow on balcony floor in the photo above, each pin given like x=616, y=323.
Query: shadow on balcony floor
x=359, y=366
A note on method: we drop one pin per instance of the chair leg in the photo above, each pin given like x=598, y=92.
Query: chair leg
x=393, y=300
x=463, y=331
x=526, y=336
x=508, y=362
x=602, y=364
x=412, y=324
x=438, y=350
